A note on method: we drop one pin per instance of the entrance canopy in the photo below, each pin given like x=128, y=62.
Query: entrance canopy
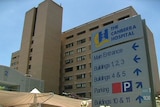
x=9, y=98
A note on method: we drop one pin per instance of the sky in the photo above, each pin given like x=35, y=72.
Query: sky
x=75, y=13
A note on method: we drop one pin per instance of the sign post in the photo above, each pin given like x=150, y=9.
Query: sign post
x=120, y=74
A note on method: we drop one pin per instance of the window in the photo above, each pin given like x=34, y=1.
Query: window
x=31, y=50
x=32, y=41
x=14, y=57
x=81, y=85
x=82, y=32
x=69, y=69
x=107, y=23
x=69, y=53
x=81, y=41
x=81, y=58
x=81, y=49
x=94, y=28
x=68, y=87
x=69, y=45
x=81, y=76
x=68, y=78
x=124, y=17
x=90, y=84
x=29, y=66
x=68, y=61
x=82, y=94
x=70, y=37
x=30, y=58
x=90, y=65
x=80, y=67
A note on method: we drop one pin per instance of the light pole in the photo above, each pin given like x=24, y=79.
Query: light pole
x=84, y=104
x=104, y=106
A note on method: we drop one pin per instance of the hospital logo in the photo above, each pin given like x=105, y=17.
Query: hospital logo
x=101, y=38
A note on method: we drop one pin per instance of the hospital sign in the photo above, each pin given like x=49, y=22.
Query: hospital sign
x=120, y=75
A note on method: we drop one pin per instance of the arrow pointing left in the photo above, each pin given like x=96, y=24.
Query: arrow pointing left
x=136, y=59
x=135, y=46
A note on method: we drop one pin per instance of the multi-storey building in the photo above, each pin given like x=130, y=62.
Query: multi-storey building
x=15, y=60
x=76, y=52
x=61, y=59
x=39, y=55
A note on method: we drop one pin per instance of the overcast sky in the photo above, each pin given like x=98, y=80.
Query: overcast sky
x=75, y=12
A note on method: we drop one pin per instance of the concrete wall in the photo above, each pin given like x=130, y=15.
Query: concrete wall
x=16, y=81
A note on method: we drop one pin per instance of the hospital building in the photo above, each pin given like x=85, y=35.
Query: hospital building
x=63, y=59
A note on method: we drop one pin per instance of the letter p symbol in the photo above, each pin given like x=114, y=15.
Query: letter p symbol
x=127, y=86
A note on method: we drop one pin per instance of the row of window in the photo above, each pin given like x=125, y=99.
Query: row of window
x=78, y=43
x=31, y=49
x=78, y=67
x=96, y=27
x=69, y=45
x=79, y=85
x=81, y=58
x=81, y=41
x=81, y=67
x=79, y=76
x=68, y=61
x=79, y=50
x=69, y=69
x=15, y=57
x=14, y=63
x=30, y=58
x=91, y=29
x=82, y=49
x=78, y=59
x=69, y=53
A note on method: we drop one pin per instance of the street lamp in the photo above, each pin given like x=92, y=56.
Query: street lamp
x=104, y=106
x=84, y=104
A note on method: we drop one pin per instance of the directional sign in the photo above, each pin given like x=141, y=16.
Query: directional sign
x=139, y=85
x=136, y=58
x=135, y=46
x=119, y=32
x=120, y=76
x=120, y=72
x=137, y=71
x=139, y=99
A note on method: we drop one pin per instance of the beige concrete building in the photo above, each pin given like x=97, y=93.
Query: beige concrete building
x=41, y=44
x=15, y=60
x=61, y=59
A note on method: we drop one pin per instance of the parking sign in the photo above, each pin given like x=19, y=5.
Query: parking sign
x=120, y=75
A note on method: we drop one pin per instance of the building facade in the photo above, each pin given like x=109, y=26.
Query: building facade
x=61, y=59
x=12, y=80
x=39, y=55
x=76, y=52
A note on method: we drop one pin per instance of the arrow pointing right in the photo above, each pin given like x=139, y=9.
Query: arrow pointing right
x=139, y=99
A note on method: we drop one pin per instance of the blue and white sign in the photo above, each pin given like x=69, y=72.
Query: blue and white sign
x=116, y=33
x=120, y=75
